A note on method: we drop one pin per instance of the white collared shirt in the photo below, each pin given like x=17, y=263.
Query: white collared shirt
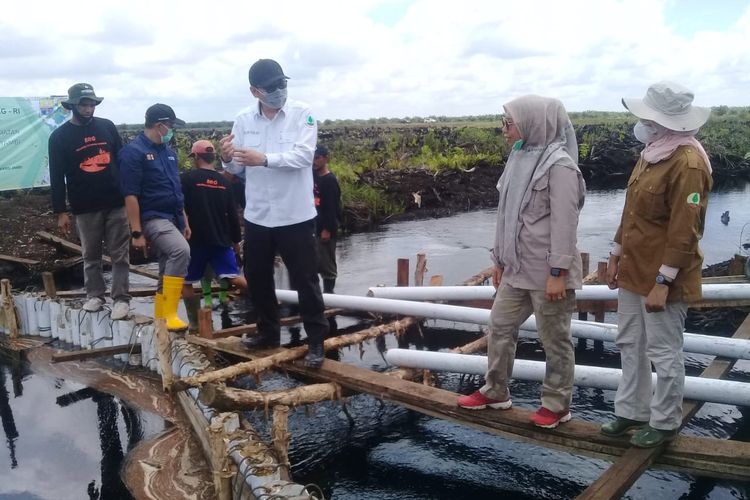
x=282, y=193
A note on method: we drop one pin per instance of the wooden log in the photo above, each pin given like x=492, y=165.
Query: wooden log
x=133, y=292
x=481, y=277
x=402, y=272
x=49, y=284
x=72, y=247
x=164, y=353
x=259, y=365
x=420, y=269
x=19, y=260
x=618, y=479
x=62, y=356
x=280, y=434
x=232, y=399
x=10, y=314
x=252, y=328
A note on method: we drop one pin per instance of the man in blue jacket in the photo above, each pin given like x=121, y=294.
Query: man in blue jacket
x=150, y=182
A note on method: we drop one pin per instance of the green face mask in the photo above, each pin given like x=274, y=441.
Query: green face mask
x=168, y=136
x=517, y=145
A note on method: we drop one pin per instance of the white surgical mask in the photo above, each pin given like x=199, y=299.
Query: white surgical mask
x=275, y=99
x=647, y=132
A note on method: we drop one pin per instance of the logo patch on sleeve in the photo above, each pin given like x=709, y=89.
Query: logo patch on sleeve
x=310, y=121
x=694, y=199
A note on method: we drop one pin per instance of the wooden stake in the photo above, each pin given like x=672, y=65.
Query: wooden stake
x=164, y=353
x=9, y=308
x=280, y=434
x=219, y=463
x=49, y=285
x=420, y=269
x=402, y=272
x=205, y=323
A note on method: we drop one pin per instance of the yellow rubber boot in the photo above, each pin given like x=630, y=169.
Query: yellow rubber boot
x=172, y=289
x=158, y=306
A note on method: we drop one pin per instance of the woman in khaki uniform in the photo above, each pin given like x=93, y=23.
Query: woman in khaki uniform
x=656, y=262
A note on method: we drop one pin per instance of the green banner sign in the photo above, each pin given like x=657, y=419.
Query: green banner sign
x=25, y=126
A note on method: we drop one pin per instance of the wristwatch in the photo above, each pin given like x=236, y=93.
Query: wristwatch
x=663, y=280
x=558, y=271
x=136, y=234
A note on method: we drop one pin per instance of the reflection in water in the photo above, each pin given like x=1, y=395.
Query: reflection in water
x=9, y=424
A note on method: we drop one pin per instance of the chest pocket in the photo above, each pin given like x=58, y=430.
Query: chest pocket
x=286, y=136
x=651, y=202
x=539, y=203
x=251, y=141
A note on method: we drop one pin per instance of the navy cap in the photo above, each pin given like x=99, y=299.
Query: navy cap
x=162, y=113
x=264, y=72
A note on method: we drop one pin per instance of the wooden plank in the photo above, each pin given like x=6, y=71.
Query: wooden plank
x=703, y=456
x=149, y=291
x=72, y=247
x=62, y=356
x=420, y=269
x=252, y=328
x=621, y=475
x=18, y=260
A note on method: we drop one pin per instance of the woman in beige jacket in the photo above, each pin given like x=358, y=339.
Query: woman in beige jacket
x=537, y=263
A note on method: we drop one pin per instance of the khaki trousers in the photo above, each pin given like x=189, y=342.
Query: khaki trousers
x=645, y=339
x=512, y=307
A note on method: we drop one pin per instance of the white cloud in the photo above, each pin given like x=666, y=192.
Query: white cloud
x=371, y=58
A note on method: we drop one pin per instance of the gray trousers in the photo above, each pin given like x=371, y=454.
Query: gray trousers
x=171, y=246
x=645, y=339
x=327, y=258
x=512, y=307
x=108, y=227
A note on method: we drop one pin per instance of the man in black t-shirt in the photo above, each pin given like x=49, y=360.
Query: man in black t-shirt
x=328, y=204
x=82, y=164
x=216, y=235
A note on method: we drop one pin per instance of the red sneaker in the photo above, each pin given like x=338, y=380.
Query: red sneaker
x=548, y=419
x=478, y=401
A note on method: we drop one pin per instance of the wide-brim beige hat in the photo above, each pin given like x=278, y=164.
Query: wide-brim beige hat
x=670, y=105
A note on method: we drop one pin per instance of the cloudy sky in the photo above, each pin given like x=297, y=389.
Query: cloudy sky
x=375, y=58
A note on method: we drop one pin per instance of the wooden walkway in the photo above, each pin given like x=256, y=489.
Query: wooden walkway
x=700, y=456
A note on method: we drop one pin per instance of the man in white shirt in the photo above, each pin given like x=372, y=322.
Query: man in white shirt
x=273, y=142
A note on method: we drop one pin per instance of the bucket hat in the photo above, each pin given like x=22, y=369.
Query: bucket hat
x=670, y=105
x=80, y=91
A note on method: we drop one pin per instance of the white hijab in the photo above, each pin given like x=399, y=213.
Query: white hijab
x=548, y=139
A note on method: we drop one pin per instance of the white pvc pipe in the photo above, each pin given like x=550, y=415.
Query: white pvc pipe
x=20, y=301
x=145, y=336
x=699, y=344
x=101, y=330
x=713, y=291
x=31, y=318
x=44, y=325
x=63, y=323
x=84, y=325
x=126, y=335
x=697, y=388
x=54, y=318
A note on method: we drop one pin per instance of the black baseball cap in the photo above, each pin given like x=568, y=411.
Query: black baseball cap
x=162, y=113
x=265, y=72
x=321, y=150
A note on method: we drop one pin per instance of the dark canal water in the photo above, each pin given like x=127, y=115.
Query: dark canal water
x=63, y=447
